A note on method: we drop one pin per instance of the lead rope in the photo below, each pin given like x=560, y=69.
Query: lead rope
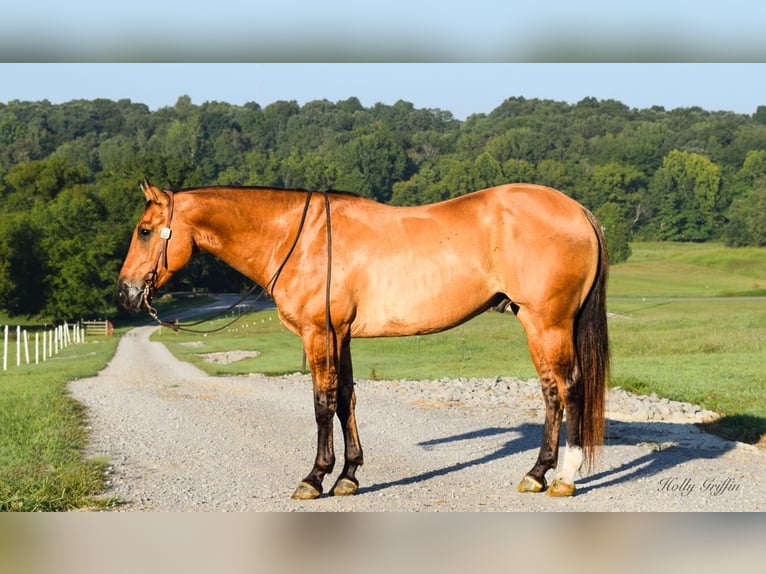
x=327, y=317
x=176, y=326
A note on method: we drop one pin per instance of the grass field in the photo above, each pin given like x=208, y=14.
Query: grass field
x=42, y=466
x=687, y=322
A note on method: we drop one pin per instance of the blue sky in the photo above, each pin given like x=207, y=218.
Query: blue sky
x=489, y=39
x=462, y=89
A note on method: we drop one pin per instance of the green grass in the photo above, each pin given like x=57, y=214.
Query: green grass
x=42, y=436
x=684, y=324
x=690, y=325
x=460, y=352
x=690, y=270
x=708, y=352
x=42, y=431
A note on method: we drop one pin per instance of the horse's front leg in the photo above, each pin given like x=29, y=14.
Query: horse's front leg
x=347, y=483
x=323, y=362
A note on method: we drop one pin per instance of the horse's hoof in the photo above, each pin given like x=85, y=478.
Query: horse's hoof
x=345, y=487
x=559, y=488
x=530, y=484
x=306, y=491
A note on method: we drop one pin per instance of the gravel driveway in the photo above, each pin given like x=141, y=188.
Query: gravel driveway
x=180, y=440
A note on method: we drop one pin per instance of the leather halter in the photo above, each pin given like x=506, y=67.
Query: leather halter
x=150, y=279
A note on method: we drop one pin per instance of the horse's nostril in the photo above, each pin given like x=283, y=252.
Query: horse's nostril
x=124, y=297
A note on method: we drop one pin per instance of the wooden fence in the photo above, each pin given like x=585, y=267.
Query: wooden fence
x=98, y=328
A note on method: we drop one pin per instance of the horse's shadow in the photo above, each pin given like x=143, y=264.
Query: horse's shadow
x=523, y=441
x=660, y=456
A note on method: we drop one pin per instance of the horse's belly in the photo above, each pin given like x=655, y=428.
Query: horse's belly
x=417, y=309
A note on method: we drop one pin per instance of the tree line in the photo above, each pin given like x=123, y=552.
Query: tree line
x=69, y=174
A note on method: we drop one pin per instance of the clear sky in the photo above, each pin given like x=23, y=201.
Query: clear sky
x=481, y=45
x=462, y=89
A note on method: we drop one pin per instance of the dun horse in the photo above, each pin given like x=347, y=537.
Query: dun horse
x=339, y=266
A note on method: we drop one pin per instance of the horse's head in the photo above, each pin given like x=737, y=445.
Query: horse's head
x=161, y=245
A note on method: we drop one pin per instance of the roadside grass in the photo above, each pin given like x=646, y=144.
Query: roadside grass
x=684, y=324
x=43, y=466
x=707, y=352
x=42, y=433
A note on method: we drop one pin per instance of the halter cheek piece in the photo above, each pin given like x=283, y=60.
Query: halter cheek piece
x=150, y=279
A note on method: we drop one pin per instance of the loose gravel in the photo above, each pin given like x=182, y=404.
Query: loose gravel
x=180, y=440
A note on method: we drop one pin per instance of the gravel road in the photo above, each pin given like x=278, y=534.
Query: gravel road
x=180, y=440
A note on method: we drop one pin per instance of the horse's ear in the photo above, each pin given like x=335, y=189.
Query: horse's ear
x=151, y=192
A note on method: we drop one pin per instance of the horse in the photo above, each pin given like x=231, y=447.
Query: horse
x=340, y=266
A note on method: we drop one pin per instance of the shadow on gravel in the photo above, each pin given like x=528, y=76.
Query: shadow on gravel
x=668, y=445
x=526, y=436
x=744, y=428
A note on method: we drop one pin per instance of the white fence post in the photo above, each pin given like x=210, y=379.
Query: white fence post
x=26, y=346
x=53, y=341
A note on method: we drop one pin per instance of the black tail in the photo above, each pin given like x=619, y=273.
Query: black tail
x=592, y=342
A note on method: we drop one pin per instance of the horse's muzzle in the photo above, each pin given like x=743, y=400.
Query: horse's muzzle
x=130, y=296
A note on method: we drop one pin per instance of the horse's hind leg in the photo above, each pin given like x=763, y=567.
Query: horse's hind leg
x=552, y=351
x=534, y=480
x=347, y=482
x=563, y=484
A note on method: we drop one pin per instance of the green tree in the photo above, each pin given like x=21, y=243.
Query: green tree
x=371, y=164
x=747, y=213
x=41, y=180
x=555, y=174
x=684, y=196
x=620, y=184
x=616, y=231
x=80, y=252
x=519, y=170
x=747, y=220
x=23, y=263
x=487, y=171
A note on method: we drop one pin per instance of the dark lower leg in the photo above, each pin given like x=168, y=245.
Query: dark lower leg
x=549, y=447
x=347, y=482
x=325, y=405
x=347, y=417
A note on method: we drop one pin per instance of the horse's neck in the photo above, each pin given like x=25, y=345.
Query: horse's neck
x=250, y=230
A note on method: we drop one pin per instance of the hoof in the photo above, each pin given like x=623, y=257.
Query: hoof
x=529, y=484
x=306, y=491
x=559, y=488
x=345, y=487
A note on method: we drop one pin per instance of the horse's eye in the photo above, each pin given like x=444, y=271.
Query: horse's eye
x=144, y=232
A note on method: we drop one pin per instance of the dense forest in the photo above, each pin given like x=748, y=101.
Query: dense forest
x=69, y=174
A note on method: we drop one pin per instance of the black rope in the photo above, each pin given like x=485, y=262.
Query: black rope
x=327, y=316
